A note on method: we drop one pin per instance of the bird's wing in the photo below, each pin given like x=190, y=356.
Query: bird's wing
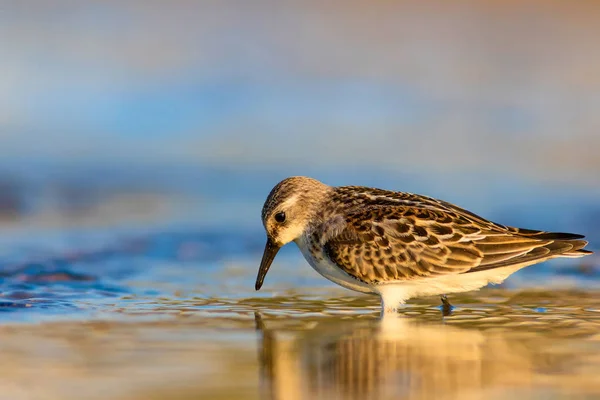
x=399, y=242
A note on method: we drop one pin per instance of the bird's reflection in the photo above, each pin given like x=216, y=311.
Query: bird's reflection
x=389, y=358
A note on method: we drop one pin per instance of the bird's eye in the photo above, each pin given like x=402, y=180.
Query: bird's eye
x=280, y=217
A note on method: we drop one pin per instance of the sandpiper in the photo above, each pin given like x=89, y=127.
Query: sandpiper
x=399, y=245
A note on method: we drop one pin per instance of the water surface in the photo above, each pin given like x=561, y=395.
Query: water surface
x=97, y=301
x=497, y=343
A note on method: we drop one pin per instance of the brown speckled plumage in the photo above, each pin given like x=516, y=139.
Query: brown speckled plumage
x=402, y=236
x=375, y=237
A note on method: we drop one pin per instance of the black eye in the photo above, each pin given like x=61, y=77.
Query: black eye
x=280, y=217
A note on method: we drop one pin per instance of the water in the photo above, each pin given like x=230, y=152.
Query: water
x=497, y=344
x=161, y=304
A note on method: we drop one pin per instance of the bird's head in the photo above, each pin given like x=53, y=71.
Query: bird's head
x=286, y=214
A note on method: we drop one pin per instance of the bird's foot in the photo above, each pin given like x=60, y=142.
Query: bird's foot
x=446, y=306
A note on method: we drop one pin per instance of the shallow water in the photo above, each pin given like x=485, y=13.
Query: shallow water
x=174, y=315
x=496, y=343
x=166, y=309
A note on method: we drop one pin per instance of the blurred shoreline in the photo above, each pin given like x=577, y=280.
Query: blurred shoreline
x=115, y=195
x=497, y=87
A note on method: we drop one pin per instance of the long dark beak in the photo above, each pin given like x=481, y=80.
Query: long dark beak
x=271, y=250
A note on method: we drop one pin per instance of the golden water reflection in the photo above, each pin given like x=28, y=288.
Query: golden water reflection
x=408, y=358
x=496, y=344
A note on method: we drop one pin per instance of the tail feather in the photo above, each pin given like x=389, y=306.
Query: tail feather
x=541, y=245
x=546, y=235
x=572, y=239
x=577, y=250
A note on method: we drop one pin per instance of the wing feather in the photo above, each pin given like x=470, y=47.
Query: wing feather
x=409, y=237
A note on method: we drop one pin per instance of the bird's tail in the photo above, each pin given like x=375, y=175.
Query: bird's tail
x=568, y=245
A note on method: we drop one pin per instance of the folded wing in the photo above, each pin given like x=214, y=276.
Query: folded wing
x=396, y=242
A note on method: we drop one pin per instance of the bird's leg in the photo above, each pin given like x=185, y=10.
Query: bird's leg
x=446, y=306
x=444, y=299
x=391, y=299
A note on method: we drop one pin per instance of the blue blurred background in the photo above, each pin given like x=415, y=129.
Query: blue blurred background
x=149, y=116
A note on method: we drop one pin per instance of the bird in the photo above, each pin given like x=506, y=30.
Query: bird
x=399, y=245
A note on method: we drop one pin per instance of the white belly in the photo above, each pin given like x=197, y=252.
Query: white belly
x=395, y=293
x=330, y=271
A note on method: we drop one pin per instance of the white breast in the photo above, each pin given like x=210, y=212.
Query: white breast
x=329, y=270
